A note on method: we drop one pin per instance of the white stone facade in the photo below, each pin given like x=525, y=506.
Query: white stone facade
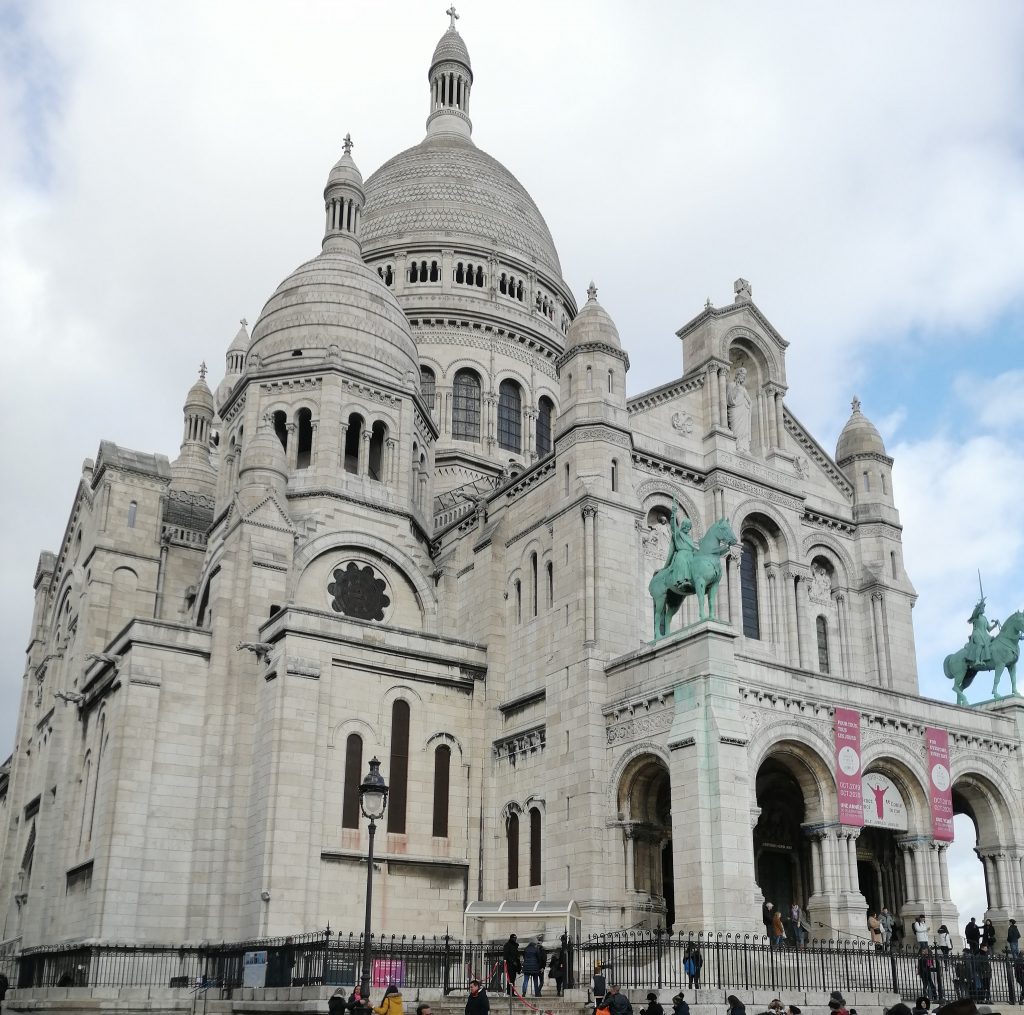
x=421, y=498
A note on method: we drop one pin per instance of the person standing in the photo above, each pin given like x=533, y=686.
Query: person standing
x=692, y=963
x=679, y=1005
x=875, y=927
x=736, y=1006
x=796, y=922
x=983, y=966
x=945, y=941
x=767, y=913
x=926, y=973
x=391, y=1002
x=887, y=922
x=618, y=1003
x=988, y=936
x=510, y=960
x=1013, y=938
x=556, y=970
x=920, y=929
x=972, y=935
x=653, y=1005
x=477, y=1003
x=778, y=931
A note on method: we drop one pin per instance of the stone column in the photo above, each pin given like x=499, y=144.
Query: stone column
x=792, y=622
x=723, y=401
x=817, y=880
x=344, y=436
x=843, y=627
x=771, y=431
x=940, y=854
x=908, y=873
x=391, y=462
x=630, y=847
x=879, y=635
x=589, y=518
x=780, y=420
x=293, y=446
x=851, y=843
x=316, y=452
x=364, y=451
x=711, y=389
x=735, y=598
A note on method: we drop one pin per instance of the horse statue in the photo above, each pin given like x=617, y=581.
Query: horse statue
x=1003, y=654
x=668, y=591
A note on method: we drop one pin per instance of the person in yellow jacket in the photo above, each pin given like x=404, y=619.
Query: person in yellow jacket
x=391, y=1003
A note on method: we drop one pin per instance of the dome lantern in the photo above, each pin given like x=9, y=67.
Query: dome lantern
x=451, y=78
x=343, y=202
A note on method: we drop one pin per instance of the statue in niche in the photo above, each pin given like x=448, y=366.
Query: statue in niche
x=820, y=590
x=985, y=652
x=738, y=399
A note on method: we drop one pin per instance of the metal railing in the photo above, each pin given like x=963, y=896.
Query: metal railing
x=734, y=962
x=637, y=960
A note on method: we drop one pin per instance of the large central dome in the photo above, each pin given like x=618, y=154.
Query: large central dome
x=446, y=186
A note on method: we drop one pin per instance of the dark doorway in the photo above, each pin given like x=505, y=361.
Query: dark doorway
x=667, y=886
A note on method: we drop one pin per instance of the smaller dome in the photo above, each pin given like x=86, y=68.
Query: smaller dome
x=263, y=456
x=345, y=170
x=859, y=437
x=241, y=340
x=450, y=47
x=199, y=395
x=592, y=324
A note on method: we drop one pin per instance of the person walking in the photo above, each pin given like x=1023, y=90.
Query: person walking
x=679, y=1005
x=533, y=967
x=391, y=1002
x=556, y=970
x=617, y=1002
x=736, y=1006
x=920, y=928
x=972, y=935
x=1013, y=938
x=337, y=1005
x=477, y=1003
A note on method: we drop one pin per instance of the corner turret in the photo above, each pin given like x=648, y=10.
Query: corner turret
x=192, y=470
x=861, y=455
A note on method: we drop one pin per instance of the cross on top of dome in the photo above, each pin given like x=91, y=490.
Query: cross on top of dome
x=347, y=144
x=855, y=404
x=453, y=14
x=202, y=370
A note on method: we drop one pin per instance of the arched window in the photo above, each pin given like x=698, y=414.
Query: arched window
x=304, y=454
x=399, y=767
x=885, y=485
x=590, y=379
x=867, y=482
x=821, y=626
x=442, y=764
x=435, y=272
x=615, y=476
x=428, y=386
x=466, y=406
x=414, y=272
x=460, y=273
x=551, y=584
x=353, y=435
x=503, y=284
x=133, y=510
x=281, y=427
x=510, y=416
x=389, y=275
x=535, y=844
x=519, y=601
x=375, y=463
x=512, y=842
x=353, y=777
x=567, y=479
x=533, y=574
x=748, y=591
x=479, y=277
x=519, y=291
x=545, y=410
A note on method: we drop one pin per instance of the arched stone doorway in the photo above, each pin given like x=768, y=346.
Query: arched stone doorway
x=645, y=814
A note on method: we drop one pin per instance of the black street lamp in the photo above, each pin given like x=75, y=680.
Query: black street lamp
x=373, y=797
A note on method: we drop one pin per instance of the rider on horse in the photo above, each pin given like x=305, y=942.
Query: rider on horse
x=681, y=549
x=979, y=645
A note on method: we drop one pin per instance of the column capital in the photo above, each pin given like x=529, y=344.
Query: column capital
x=588, y=511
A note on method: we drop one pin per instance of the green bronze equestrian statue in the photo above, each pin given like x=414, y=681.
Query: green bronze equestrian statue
x=985, y=652
x=690, y=569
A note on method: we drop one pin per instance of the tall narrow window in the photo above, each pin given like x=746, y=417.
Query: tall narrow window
x=822, y=628
x=399, y=768
x=867, y=482
x=281, y=428
x=375, y=462
x=533, y=574
x=304, y=453
x=512, y=842
x=545, y=410
x=510, y=416
x=519, y=601
x=353, y=776
x=567, y=479
x=428, y=387
x=442, y=764
x=353, y=435
x=885, y=485
x=86, y=783
x=551, y=584
x=892, y=563
x=466, y=406
x=535, y=843
x=133, y=510
x=615, y=476
x=748, y=591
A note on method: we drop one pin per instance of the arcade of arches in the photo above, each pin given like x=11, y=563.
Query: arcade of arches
x=836, y=873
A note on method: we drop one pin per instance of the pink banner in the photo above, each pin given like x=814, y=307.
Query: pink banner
x=939, y=783
x=851, y=798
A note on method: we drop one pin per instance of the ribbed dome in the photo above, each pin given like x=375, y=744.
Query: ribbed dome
x=859, y=437
x=592, y=324
x=451, y=47
x=345, y=171
x=336, y=300
x=200, y=397
x=241, y=340
x=445, y=190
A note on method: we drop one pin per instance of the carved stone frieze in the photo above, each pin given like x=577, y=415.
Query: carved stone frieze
x=645, y=726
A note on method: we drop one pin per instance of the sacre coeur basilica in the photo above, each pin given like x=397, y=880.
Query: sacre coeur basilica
x=419, y=519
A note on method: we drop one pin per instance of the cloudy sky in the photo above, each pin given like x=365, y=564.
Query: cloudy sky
x=162, y=167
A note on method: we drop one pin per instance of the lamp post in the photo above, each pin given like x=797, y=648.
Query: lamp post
x=373, y=796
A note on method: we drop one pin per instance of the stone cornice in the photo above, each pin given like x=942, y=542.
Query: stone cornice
x=816, y=453
x=648, y=400
x=712, y=313
x=602, y=347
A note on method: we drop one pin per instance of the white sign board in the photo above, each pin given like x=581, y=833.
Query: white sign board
x=254, y=969
x=883, y=805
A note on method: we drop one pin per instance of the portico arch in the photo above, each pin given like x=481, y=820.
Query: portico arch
x=644, y=810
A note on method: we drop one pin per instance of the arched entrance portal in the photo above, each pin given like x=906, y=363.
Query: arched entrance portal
x=645, y=813
x=782, y=857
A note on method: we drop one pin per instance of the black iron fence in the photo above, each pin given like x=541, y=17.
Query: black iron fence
x=633, y=959
x=728, y=962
